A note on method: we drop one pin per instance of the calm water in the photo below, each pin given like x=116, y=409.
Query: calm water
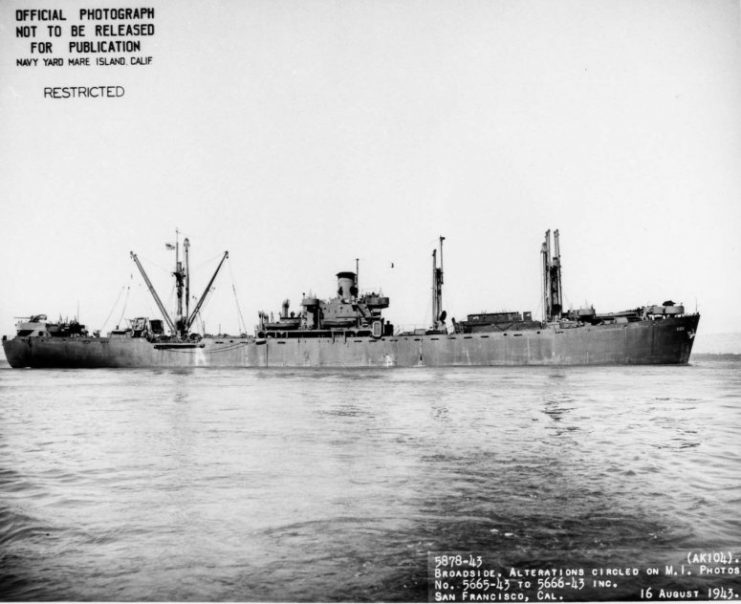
x=335, y=485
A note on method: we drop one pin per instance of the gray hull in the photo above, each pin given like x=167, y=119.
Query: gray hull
x=667, y=341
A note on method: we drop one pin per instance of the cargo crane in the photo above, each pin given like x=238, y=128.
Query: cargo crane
x=180, y=328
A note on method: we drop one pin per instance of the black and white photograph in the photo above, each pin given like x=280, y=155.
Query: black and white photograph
x=370, y=300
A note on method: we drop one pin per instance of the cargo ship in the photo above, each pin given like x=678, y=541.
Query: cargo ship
x=350, y=330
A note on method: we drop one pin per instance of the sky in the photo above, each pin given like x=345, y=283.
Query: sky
x=301, y=135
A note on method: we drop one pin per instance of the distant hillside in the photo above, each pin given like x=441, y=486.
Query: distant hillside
x=717, y=343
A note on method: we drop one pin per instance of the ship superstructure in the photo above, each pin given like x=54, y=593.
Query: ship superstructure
x=348, y=311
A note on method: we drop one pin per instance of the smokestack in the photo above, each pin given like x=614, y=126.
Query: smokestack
x=345, y=285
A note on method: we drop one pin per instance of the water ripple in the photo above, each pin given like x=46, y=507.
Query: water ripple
x=334, y=485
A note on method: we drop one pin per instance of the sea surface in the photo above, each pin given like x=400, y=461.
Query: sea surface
x=326, y=485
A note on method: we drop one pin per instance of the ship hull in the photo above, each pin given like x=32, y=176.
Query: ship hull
x=648, y=342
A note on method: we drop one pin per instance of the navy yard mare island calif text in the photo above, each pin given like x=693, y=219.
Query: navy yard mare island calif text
x=84, y=37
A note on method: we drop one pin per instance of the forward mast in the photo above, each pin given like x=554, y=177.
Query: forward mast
x=184, y=319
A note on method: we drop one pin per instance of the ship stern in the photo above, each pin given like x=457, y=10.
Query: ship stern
x=17, y=352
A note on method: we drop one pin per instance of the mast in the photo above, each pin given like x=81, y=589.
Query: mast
x=179, y=274
x=186, y=247
x=434, y=289
x=552, y=292
x=556, y=272
x=161, y=306
x=437, y=286
x=192, y=316
x=545, y=253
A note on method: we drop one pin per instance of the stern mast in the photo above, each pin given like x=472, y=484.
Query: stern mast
x=557, y=290
x=552, y=291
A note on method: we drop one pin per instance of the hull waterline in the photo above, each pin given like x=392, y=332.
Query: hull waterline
x=649, y=342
